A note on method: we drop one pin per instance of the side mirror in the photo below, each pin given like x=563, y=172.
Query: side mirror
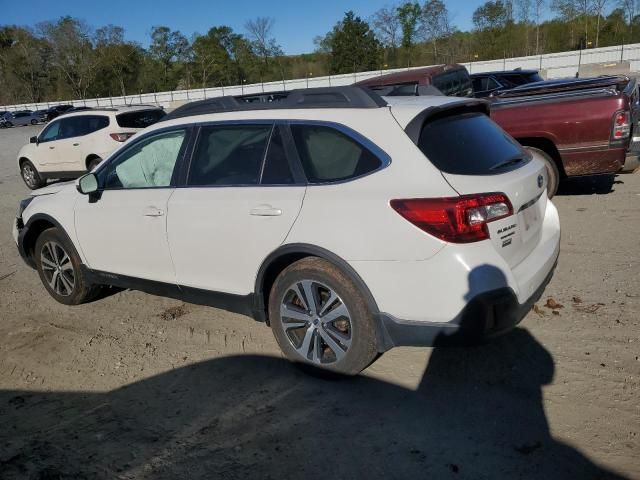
x=33, y=140
x=87, y=184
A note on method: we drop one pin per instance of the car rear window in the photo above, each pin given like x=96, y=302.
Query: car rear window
x=470, y=144
x=139, y=118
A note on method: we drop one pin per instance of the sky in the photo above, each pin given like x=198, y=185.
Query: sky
x=297, y=22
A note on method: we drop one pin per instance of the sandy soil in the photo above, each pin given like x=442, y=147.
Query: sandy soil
x=137, y=386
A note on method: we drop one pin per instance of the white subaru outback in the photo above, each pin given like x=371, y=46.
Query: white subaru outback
x=347, y=222
x=75, y=143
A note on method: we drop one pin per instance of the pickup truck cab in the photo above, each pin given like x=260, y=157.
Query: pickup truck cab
x=486, y=83
x=579, y=127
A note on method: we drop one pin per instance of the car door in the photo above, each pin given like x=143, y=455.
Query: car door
x=241, y=196
x=69, y=143
x=124, y=231
x=45, y=153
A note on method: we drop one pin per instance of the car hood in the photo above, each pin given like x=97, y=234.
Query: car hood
x=54, y=188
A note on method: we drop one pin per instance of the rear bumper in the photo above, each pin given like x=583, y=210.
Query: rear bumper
x=593, y=162
x=486, y=316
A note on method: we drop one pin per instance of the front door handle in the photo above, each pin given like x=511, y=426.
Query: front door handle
x=51, y=148
x=265, y=211
x=153, y=212
x=76, y=144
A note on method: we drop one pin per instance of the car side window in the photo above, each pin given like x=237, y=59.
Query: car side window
x=148, y=163
x=93, y=123
x=50, y=133
x=329, y=155
x=229, y=155
x=276, y=170
x=70, y=127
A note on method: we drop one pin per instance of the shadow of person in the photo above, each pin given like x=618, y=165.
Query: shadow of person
x=477, y=414
x=588, y=185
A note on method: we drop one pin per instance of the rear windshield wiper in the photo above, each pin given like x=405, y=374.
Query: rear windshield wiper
x=507, y=163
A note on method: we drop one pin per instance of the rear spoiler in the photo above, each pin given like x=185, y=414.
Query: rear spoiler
x=414, y=128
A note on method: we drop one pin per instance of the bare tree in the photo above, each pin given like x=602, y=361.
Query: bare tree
x=598, y=7
x=629, y=7
x=524, y=8
x=265, y=45
x=436, y=23
x=386, y=26
x=538, y=6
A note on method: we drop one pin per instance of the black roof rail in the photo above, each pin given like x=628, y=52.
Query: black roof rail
x=324, y=97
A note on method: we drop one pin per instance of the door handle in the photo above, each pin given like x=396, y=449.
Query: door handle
x=153, y=212
x=76, y=144
x=51, y=148
x=265, y=211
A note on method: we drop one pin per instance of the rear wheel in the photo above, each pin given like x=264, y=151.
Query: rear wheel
x=9, y=124
x=553, y=174
x=30, y=175
x=319, y=317
x=58, y=265
x=34, y=121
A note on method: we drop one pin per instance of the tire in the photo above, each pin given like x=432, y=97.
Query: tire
x=9, y=124
x=34, y=121
x=93, y=163
x=553, y=174
x=58, y=265
x=341, y=337
x=30, y=175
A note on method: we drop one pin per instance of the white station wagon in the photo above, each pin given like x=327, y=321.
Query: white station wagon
x=348, y=222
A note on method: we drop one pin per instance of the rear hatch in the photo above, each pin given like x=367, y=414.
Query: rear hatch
x=475, y=156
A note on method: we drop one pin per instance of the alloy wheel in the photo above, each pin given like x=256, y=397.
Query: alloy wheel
x=316, y=322
x=29, y=175
x=57, y=268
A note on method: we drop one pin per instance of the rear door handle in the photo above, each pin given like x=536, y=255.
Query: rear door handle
x=76, y=144
x=265, y=211
x=153, y=212
x=51, y=148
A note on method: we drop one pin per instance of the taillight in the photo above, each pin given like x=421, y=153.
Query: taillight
x=621, y=126
x=461, y=219
x=122, y=137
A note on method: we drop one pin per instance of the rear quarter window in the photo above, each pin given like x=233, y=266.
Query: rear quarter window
x=470, y=144
x=139, y=118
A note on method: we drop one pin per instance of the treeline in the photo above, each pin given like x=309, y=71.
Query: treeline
x=67, y=58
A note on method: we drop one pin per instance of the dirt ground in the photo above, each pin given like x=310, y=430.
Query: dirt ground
x=137, y=386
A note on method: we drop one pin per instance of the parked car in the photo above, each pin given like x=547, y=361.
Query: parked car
x=41, y=115
x=349, y=223
x=451, y=80
x=577, y=127
x=56, y=110
x=75, y=143
x=22, y=118
x=484, y=84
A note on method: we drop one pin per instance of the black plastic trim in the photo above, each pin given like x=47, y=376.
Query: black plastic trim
x=62, y=174
x=24, y=232
x=242, y=304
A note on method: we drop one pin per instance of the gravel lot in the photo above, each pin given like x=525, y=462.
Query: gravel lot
x=137, y=386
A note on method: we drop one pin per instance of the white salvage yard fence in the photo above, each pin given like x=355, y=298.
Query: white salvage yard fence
x=556, y=65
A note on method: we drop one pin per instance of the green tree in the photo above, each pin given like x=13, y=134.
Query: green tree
x=171, y=49
x=409, y=16
x=119, y=61
x=353, y=46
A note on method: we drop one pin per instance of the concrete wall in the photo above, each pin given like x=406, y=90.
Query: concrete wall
x=555, y=65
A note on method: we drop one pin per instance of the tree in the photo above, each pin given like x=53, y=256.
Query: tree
x=538, y=6
x=353, y=46
x=71, y=52
x=491, y=15
x=629, y=7
x=409, y=16
x=598, y=7
x=264, y=44
x=169, y=48
x=524, y=8
x=568, y=12
x=386, y=26
x=118, y=59
x=436, y=23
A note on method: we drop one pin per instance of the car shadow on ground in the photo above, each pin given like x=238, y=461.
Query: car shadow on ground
x=477, y=414
x=589, y=185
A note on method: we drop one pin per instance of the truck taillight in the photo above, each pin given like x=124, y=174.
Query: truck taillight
x=461, y=219
x=621, y=126
x=122, y=137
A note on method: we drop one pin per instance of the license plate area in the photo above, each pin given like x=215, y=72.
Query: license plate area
x=530, y=218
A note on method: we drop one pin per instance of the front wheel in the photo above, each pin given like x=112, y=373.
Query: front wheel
x=34, y=121
x=553, y=174
x=320, y=317
x=31, y=176
x=58, y=265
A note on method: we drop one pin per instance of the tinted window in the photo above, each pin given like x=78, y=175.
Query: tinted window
x=276, y=169
x=229, y=155
x=50, y=133
x=148, y=163
x=140, y=118
x=396, y=90
x=456, y=83
x=468, y=144
x=329, y=155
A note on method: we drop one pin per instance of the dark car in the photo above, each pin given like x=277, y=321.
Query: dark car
x=484, y=84
x=450, y=80
x=56, y=110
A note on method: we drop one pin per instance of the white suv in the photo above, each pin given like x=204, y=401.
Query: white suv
x=75, y=143
x=348, y=222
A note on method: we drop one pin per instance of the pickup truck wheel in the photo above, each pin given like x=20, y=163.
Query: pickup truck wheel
x=93, y=163
x=320, y=318
x=553, y=174
x=58, y=265
x=30, y=175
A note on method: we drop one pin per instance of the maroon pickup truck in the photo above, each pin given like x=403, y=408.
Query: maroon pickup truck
x=577, y=127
